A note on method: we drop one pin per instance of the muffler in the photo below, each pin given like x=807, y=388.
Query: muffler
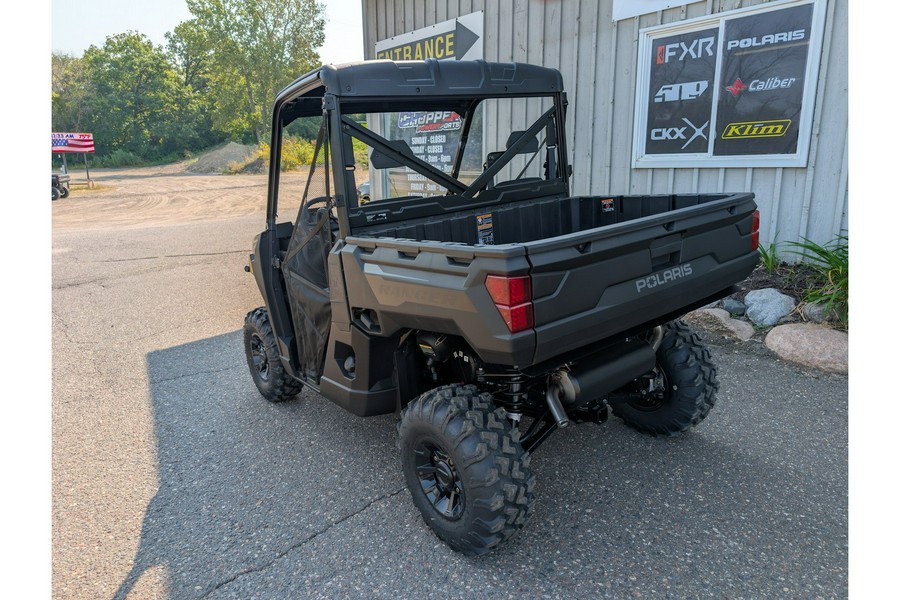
x=597, y=375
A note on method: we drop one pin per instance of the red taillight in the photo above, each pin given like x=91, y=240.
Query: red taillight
x=754, y=231
x=512, y=296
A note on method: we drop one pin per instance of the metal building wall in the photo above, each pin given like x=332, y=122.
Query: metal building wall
x=598, y=58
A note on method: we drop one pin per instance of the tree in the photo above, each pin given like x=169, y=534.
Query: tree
x=71, y=93
x=139, y=102
x=258, y=47
x=189, y=48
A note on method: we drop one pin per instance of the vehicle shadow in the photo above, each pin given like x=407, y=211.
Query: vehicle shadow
x=240, y=479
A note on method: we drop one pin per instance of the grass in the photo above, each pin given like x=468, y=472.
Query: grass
x=768, y=257
x=831, y=264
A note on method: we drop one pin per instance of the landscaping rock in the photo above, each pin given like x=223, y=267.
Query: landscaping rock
x=767, y=306
x=719, y=321
x=734, y=307
x=810, y=345
x=815, y=311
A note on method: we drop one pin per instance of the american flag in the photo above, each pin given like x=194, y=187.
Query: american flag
x=72, y=142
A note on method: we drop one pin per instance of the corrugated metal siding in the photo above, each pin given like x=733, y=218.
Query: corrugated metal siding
x=598, y=57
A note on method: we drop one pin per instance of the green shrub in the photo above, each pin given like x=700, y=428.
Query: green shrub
x=832, y=264
x=119, y=158
x=768, y=257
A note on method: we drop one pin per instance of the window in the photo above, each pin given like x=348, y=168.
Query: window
x=734, y=89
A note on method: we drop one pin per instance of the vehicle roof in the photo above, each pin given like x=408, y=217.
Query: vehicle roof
x=430, y=77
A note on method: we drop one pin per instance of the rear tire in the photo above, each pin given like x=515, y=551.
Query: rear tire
x=55, y=194
x=263, y=359
x=680, y=391
x=465, y=468
x=63, y=192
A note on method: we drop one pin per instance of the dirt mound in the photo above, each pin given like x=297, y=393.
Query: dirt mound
x=217, y=161
x=256, y=167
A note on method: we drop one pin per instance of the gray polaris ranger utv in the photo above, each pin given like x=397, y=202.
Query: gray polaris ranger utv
x=471, y=293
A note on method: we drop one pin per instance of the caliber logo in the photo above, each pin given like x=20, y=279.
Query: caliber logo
x=737, y=87
x=761, y=85
x=768, y=39
x=756, y=129
x=663, y=277
x=678, y=133
x=681, y=91
x=680, y=51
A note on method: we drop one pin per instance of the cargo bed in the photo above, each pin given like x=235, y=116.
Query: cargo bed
x=599, y=266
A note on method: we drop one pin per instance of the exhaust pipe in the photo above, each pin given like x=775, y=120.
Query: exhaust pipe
x=603, y=372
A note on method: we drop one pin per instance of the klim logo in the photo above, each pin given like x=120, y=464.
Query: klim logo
x=756, y=129
x=768, y=39
x=680, y=51
x=681, y=91
x=662, y=134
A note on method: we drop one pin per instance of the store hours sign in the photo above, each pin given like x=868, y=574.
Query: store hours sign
x=734, y=89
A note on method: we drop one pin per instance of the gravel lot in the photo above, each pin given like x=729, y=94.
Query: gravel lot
x=173, y=478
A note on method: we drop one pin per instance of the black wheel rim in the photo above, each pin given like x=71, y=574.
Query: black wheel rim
x=259, y=357
x=652, y=393
x=440, y=480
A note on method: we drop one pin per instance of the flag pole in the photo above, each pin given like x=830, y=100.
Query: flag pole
x=86, y=172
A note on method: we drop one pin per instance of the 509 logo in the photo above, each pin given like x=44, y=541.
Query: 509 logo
x=681, y=91
x=661, y=134
x=441, y=120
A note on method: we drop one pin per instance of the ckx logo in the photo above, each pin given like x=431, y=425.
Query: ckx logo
x=678, y=133
x=697, y=48
x=681, y=91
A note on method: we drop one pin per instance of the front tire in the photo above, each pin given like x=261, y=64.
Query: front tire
x=678, y=393
x=264, y=361
x=465, y=468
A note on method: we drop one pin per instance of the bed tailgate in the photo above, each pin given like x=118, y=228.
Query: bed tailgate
x=597, y=283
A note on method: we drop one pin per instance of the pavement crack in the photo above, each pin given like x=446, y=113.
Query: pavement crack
x=174, y=256
x=194, y=373
x=300, y=544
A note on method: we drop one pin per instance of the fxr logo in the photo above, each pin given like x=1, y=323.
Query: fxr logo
x=697, y=48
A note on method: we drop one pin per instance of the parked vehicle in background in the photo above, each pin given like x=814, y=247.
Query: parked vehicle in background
x=60, y=185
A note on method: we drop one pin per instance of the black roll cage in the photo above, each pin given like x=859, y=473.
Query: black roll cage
x=310, y=95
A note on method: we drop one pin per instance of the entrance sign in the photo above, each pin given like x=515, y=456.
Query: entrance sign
x=459, y=39
x=735, y=89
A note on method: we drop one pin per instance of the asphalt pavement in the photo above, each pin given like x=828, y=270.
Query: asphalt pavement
x=173, y=477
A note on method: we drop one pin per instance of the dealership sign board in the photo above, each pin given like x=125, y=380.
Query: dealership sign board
x=71, y=142
x=733, y=89
x=624, y=9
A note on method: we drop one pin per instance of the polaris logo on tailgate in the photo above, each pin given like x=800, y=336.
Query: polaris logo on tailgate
x=663, y=277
